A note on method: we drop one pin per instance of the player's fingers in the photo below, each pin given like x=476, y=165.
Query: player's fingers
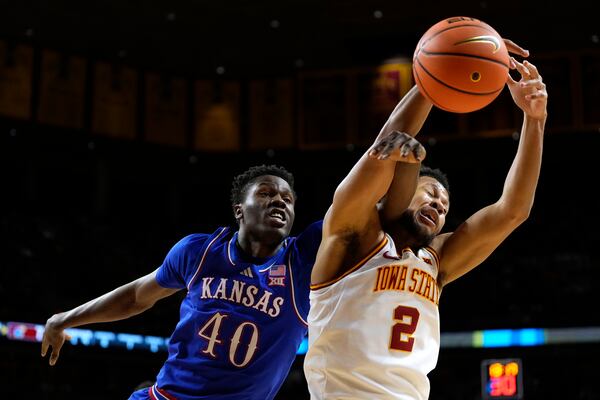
x=536, y=83
x=521, y=68
x=404, y=150
x=537, y=95
x=55, y=354
x=510, y=80
x=514, y=48
x=44, y=346
x=533, y=71
x=379, y=146
x=414, y=157
x=410, y=151
x=419, y=152
x=387, y=150
x=376, y=150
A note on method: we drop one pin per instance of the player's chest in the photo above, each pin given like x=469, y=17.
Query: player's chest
x=262, y=289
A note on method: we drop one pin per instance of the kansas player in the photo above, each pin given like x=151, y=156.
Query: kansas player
x=244, y=314
x=374, y=322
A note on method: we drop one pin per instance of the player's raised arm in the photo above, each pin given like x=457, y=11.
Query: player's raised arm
x=408, y=116
x=356, y=196
x=479, y=235
x=351, y=227
x=353, y=216
x=121, y=303
x=369, y=180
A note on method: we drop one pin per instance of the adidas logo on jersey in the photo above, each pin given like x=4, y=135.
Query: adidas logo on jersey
x=247, y=272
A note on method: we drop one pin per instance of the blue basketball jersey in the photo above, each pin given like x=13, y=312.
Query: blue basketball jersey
x=242, y=319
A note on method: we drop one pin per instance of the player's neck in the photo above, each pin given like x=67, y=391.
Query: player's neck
x=404, y=238
x=255, y=247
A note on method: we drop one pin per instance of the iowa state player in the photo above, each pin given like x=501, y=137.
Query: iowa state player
x=244, y=314
x=374, y=322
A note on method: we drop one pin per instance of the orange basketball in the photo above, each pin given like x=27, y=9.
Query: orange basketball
x=461, y=64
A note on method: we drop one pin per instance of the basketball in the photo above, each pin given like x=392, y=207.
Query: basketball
x=461, y=64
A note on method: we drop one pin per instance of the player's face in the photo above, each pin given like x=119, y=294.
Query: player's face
x=268, y=208
x=429, y=206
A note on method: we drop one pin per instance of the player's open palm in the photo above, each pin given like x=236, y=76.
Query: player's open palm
x=54, y=338
x=398, y=146
x=529, y=93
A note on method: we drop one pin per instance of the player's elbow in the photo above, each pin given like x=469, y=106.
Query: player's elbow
x=517, y=216
x=515, y=213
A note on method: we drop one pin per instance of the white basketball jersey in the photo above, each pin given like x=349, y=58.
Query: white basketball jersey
x=374, y=332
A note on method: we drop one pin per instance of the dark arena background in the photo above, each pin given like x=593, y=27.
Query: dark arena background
x=122, y=124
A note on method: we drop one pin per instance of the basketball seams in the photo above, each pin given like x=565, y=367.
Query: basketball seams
x=455, y=88
x=422, y=87
x=487, y=28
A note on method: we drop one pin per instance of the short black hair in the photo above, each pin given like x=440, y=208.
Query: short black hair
x=242, y=181
x=436, y=174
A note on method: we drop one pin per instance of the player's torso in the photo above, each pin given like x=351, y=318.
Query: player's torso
x=382, y=322
x=239, y=326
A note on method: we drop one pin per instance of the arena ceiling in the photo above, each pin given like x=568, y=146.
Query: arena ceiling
x=270, y=38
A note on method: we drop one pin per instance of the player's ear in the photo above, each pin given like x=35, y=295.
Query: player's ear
x=237, y=211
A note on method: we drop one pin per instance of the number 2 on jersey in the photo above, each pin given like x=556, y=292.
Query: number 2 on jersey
x=402, y=330
x=212, y=335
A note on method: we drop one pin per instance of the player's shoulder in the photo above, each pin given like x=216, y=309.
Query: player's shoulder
x=311, y=233
x=194, y=241
x=315, y=227
x=306, y=244
x=438, y=242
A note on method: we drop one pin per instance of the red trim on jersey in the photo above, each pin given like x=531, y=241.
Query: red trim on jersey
x=435, y=256
x=376, y=250
x=229, y=251
x=159, y=394
x=203, y=257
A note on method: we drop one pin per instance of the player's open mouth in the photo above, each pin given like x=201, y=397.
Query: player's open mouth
x=277, y=218
x=428, y=217
x=277, y=214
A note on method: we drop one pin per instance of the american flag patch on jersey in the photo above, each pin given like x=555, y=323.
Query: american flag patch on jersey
x=277, y=275
x=277, y=270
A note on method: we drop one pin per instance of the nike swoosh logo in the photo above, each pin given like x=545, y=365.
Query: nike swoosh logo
x=390, y=257
x=493, y=40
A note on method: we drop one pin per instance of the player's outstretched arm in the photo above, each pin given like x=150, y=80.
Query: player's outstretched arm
x=408, y=116
x=356, y=197
x=351, y=227
x=121, y=303
x=478, y=236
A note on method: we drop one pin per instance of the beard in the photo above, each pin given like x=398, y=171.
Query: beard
x=407, y=227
